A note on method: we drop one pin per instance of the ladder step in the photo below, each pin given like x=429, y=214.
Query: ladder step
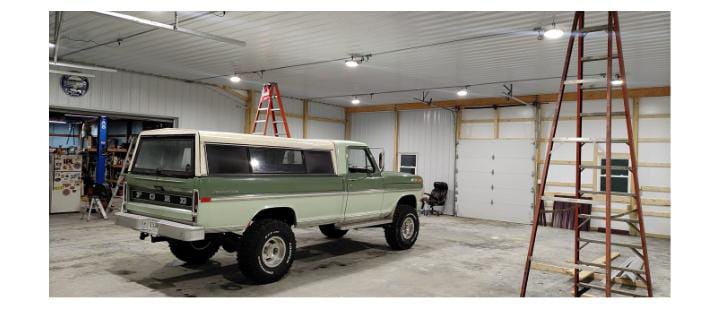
x=599, y=265
x=613, y=290
x=583, y=81
x=594, y=28
x=571, y=200
x=586, y=216
x=600, y=87
x=265, y=109
x=602, y=167
x=601, y=114
x=587, y=140
x=624, y=194
x=276, y=122
x=629, y=245
x=260, y=121
x=597, y=58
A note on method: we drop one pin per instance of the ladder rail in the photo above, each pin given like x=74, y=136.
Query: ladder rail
x=546, y=165
x=633, y=154
x=578, y=151
x=608, y=165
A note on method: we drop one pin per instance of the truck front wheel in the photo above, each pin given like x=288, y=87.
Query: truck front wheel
x=403, y=231
x=266, y=251
x=195, y=252
x=331, y=232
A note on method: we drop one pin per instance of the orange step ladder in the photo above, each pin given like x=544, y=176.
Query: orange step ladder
x=269, y=105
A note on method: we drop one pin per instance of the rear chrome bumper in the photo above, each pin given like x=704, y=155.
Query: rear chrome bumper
x=159, y=227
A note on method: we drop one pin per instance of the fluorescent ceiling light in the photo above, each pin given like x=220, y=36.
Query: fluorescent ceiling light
x=462, y=92
x=70, y=73
x=235, y=79
x=355, y=101
x=96, y=68
x=351, y=63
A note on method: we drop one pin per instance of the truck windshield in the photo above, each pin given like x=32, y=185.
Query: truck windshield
x=166, y=156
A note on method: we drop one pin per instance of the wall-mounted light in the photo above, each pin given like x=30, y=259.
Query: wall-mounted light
x=462, y=92
x=235, y=79
x=355, y=100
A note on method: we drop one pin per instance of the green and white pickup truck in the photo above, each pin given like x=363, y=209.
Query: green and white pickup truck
x=200, y=191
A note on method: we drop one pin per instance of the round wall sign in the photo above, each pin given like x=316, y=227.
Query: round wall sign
x=74, y=86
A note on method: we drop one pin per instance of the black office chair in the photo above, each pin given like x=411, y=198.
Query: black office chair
x=435, y=198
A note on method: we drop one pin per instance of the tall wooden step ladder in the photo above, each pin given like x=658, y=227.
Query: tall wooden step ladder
x=641, y=268
x=117, y=193
x=266, y=114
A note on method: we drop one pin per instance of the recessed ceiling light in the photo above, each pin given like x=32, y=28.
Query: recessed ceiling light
x=351, y=63
x=235, y=79
x=355, y=101
x=462, y=92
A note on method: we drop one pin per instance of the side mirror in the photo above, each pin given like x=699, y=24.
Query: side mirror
x=381, y=161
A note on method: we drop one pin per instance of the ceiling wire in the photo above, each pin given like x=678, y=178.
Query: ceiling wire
x=448, y=87
x=393, y=51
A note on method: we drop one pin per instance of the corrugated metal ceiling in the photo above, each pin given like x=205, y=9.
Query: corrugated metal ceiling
x=284, y=38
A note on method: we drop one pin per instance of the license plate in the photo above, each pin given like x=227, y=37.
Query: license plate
x=149, y=226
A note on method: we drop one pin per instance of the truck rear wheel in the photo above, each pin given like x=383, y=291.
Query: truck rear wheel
x=331, y=232
x=195, y=252
x=403, y=231
x=266, y=251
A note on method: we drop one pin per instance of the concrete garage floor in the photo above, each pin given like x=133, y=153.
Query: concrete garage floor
x=452, y=257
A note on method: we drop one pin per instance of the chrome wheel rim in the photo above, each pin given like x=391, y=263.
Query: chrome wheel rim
x=408, y=228
x=273, y=252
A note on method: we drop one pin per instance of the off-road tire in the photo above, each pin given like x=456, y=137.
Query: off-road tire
x=250, y=250
x=195, y=252
x=394, y=231
x=331, y=232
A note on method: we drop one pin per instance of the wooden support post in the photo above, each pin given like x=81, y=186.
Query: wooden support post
x=249, y=111
x=458, y=124
x=496, y=123
x=305, y=118
x=348, y=124
x=395, y=142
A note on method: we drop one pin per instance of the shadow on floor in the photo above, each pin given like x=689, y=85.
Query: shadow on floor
x=222, y=275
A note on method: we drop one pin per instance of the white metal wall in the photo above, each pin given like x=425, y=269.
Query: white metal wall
x=431, y=135
x=195, y=106
x=376, y=129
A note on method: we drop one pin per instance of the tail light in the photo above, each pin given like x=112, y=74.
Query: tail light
x=195, y=202
x=126, y=196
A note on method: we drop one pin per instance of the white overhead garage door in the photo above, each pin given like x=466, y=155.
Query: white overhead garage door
x=495, y=165
x=495, y=179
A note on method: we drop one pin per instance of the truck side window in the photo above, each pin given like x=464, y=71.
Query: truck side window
x=276, y=161
x=359, y=161
x=319, y=162
x=227, y=159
